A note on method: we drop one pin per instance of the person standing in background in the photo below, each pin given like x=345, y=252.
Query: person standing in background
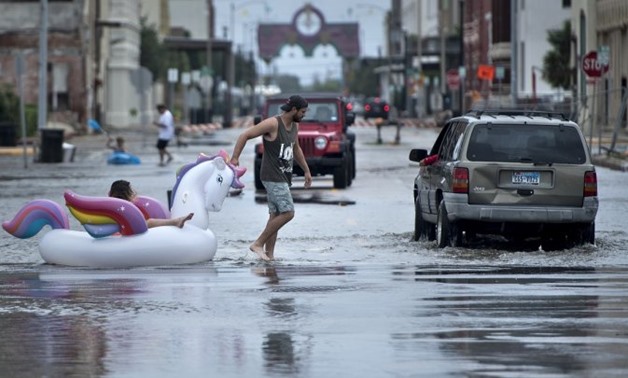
x=166, y=132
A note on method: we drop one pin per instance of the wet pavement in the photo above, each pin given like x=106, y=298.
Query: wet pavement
x=349, y=295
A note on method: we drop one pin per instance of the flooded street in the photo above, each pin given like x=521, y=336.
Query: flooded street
x=349, y=295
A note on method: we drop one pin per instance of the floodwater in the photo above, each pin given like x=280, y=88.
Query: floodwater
x=349, y=295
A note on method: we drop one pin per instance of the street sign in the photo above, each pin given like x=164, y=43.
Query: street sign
x=453, y=79
x=500, y=72
x=173, y=75
x=486, y=72
x=594, y=67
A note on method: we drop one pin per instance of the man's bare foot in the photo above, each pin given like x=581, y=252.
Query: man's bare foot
x=181, y=221
x=260, y=252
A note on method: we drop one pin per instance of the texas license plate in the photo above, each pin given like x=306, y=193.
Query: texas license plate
x=530, y=178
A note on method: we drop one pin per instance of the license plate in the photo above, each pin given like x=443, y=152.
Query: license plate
x=530, y=178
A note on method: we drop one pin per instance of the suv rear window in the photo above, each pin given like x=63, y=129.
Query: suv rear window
x=554, y=144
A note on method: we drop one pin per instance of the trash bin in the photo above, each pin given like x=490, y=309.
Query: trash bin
x=51, y=150
x=68, y=152
x=7, y=134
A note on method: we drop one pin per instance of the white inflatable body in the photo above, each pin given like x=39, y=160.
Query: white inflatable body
x=166, y=245
x=117, y=235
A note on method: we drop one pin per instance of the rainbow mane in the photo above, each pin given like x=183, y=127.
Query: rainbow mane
x=238, y=171
x=33, y=216
x=103, y=216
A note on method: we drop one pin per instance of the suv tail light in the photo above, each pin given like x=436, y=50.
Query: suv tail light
x=367, y=107
x=386, y=108
x=590, y=184
x=460, y=183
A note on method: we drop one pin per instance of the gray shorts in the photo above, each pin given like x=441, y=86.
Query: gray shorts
x=279, y=197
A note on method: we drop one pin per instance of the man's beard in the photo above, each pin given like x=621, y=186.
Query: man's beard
x=297, y=118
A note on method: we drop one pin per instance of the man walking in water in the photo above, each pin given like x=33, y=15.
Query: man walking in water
x=166, y=132
x=281, y=146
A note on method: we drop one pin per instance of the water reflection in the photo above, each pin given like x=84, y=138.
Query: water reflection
x=53, y=346
x=38, y=339
x=520, y=319
x=279, y=354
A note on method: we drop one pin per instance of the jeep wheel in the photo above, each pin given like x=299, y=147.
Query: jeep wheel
x=350, y=173
x=341, y=174
x=447, y=233
x=352, y=162
x=256, y=174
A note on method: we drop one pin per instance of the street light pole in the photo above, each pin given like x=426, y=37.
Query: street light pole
x=210, y=33
x=42, y=113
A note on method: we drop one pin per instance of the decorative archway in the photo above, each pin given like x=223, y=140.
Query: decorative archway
x=308, y=29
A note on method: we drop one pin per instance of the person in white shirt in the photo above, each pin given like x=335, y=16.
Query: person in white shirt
x=166, y=132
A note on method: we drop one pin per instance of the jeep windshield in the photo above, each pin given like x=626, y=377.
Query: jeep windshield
x=525, y=143
x=316, y=112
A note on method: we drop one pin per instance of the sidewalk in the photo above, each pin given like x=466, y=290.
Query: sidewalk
x=616, y=160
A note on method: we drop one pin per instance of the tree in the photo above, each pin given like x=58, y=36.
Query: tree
x=151, y=50
x=363, y=79
x=556, y=70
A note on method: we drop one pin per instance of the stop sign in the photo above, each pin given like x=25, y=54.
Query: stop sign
x=453, y=79
x=592, y=66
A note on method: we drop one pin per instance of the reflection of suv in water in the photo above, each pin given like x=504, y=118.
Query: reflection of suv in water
x=516, y=174
x=328, y=146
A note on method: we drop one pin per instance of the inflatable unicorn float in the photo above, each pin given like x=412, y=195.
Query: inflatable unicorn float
x=116, y=234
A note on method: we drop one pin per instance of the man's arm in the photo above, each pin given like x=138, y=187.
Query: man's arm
x=300, y=158
x=266, y=127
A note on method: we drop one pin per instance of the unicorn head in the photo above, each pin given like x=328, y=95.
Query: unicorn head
x=202, y=186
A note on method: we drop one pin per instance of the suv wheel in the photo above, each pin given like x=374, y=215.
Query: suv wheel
x=586, y=234
x=421, y=227
x=419, y=223
x=447, y=233
x=341, y=175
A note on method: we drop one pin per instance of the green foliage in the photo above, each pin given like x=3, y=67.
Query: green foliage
x=10, y=112
x=9, y=105
x=327, y=86
x=363, y=79
x=152, y=51
x=556, y=70
x=288, y=83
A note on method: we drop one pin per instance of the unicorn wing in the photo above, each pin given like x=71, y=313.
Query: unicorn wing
x=103, y=213
x=151, y=208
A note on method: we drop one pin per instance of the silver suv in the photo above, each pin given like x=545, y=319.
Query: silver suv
x=518, y=174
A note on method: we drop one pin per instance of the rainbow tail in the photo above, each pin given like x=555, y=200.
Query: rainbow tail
x=34, y=216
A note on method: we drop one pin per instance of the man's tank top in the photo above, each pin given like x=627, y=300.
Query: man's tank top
x=278, y=156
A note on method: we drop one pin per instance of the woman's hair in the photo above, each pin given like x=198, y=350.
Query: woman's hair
x=122, y=189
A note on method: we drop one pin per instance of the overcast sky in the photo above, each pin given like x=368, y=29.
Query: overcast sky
x=247, y=14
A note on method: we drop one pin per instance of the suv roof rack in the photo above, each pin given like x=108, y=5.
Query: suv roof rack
x=517, y=112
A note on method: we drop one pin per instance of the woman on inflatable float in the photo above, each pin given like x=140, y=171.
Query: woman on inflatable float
x=117, y=234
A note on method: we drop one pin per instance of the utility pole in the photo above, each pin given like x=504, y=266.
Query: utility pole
x=443, y=45
x=210, y=27
x=513, y=51
x=42, y=104
x=419, y=52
